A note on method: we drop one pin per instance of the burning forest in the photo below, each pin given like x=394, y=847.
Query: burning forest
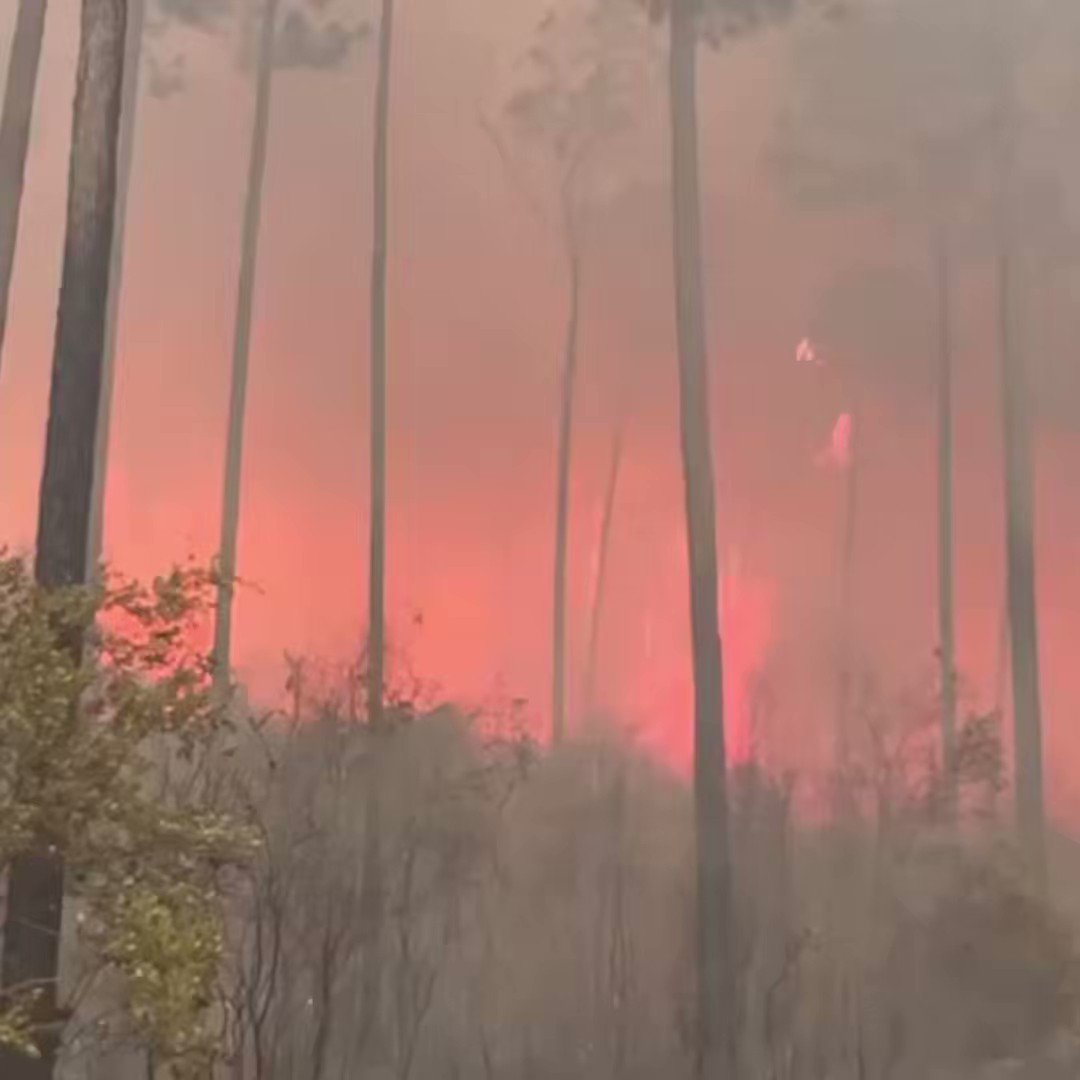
x=537, y=540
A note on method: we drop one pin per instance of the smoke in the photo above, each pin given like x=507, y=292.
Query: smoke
x=165, y=78
x=303, y=42
x=200, y=14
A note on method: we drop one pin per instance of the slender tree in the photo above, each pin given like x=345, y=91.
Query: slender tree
x=15, y=123
x=36, y=879
x=580, y=82
x=845, y=688
x=568, y=382
x=372, y=890
x=716, y=990
x=946, y=588
x=234, y=449
x=295, y=43
x=688, y=22
x=380, y=216
x=1020, y=578
x=125, y=160
x=603, y=554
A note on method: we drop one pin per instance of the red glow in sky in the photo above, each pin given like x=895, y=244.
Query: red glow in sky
x=477, y=302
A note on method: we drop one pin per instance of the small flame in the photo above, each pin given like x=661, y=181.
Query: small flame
x=805, y=354
x=837, y=455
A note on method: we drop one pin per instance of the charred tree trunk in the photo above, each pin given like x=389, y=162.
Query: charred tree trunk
x=946, y=593
x=1020, y=563
x=234, y=449
x=716, y=1051
x=125, y=160
x=372, y=892
x=562, y=503
x=601, y=570
x=36, y=884
x=15, y=122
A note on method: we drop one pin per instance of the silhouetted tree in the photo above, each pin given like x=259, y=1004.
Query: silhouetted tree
x=36, y=882
x=249, y=250
x=688, y=22
x=581, y=81
x=372, y=899
x=291, y=42
x=603, y=555
x=125, y=160
x=15, y=122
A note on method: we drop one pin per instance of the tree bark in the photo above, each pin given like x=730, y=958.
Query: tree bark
x=36, y=884
x=125, y=161
x=1020, y=564
x=249, y=253
x=15, y=136
x=946, y=589
x=562, y=503
x=716, y=1050
x=372, y=898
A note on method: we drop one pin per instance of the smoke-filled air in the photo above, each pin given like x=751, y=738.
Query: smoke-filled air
x=539, y=539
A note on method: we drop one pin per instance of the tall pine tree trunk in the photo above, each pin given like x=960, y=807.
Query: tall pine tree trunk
x=125, y=160
x=372, y=898
x=716, y=1051
x=846, y=680
x=946, y=590
x=1020, y=565
x=15, y=121
x=562, y=503
x=377, y=545
x=249, y=253
x=606, y=522
x=36, y=883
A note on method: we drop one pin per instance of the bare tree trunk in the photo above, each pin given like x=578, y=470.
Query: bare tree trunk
x=234, y=450
x=15, y=122
x=1020, y=555
x=377, y=550
x=716, y=1051
x=372, y=898
x=601, y=569
x=562, y=504
x=946, y=594
x=125, y=160
x=845, y=686
x=36, y=883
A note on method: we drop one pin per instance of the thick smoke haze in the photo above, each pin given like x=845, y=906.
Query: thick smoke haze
x=477, y=302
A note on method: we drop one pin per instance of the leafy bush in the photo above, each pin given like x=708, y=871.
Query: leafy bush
x=107, y=720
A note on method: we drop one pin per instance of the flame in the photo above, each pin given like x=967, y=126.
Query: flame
x=805, y=354
x=837, y=455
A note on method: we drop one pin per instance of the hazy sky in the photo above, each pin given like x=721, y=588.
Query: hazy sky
x=477, y=304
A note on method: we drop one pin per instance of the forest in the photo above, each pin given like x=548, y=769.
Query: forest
x=538, y=540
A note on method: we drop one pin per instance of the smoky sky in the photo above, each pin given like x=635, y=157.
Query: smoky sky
x=477, y=302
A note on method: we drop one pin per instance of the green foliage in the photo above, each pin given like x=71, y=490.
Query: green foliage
x=107, y=725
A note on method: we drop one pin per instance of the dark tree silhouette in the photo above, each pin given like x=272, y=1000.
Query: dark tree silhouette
x=15, y=122
x=36, y=883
